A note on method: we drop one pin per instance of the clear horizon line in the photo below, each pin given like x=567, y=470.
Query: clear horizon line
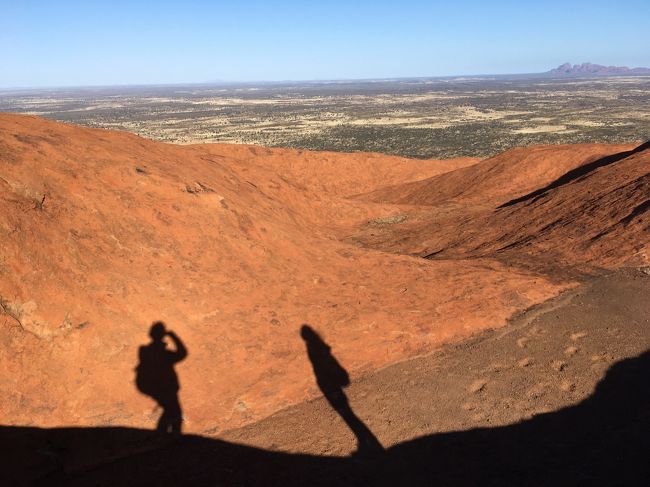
x=284, y=81
x=252, y=82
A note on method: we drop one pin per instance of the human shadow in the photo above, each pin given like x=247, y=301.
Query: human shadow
x=603, y=440
x=331, y=378
x=156, y=377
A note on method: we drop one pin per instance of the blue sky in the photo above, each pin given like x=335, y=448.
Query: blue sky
x=76, y=43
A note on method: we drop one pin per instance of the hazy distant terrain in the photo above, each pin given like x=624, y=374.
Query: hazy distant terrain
x=425, y=118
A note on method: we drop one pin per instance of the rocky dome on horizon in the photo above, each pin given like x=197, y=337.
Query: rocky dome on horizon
x=587, y=69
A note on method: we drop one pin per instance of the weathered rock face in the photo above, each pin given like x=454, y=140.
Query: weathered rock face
x=234, y=248
x=505, y=176
x=593, y=213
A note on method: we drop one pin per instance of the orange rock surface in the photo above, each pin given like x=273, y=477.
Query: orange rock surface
x=234, y=248
x=583, y=206
x=504, y=176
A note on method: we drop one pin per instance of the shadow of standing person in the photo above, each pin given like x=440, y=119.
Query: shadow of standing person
x=331, y=378
x=156, y=377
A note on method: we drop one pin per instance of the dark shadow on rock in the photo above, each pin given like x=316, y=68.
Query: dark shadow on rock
x=331, y=378
x=602, y=441
x=576, y=173
x=156, y=377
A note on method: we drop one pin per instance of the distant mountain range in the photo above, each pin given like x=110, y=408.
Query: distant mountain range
x=589, y=69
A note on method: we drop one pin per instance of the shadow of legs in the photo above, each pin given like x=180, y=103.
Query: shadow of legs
x=171, y=417
x=366, y=442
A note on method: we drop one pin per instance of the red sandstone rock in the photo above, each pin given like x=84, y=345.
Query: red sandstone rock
x=234, y=248
x=593, y=213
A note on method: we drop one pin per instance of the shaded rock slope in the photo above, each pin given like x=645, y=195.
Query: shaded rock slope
x=506, y=175
x=585, y=208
